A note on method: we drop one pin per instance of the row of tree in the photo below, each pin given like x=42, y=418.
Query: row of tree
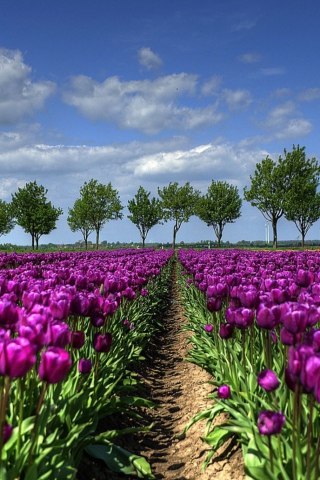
x=286, y=187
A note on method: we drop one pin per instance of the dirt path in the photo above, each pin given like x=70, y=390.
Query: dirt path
x=180, y=389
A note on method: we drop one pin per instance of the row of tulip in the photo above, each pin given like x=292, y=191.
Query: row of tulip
x=70, y=325
x=255, y=323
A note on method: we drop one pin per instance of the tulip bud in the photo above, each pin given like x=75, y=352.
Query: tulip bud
x=55, y=364
x=270, y=423
x=84, y=366
x=224, y=392
x=17, y=357
x=102, y=343
x=268, y=380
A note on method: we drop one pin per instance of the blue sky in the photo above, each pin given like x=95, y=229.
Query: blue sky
x=144, y=92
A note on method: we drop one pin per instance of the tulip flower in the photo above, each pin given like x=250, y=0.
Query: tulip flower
x=208, y=327
x=226, y=330
x=224, y=392
x=55, y=365
x=17, y=357
x=270, y=423
x=268, y=380
x=77, y=339
x=84, y=366
x=7, y=432
x=102, y=343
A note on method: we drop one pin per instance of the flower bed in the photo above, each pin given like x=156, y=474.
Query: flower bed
x=255, y=323
x=71, y=324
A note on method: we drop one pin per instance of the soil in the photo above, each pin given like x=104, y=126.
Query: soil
x=180, y=389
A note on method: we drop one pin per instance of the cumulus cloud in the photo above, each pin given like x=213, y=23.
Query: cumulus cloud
x=281, y=126
x=149, y=59
x=19, y=96
x=221, y=160
x=237, y=99
x=147, y=106
x=310, y=94
x=249, y=57
x=212, y=86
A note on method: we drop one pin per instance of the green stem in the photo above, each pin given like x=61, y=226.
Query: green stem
x=36, y=421
x=309, y=436
x=3, y=406
x=271, y=454
x=21, y=404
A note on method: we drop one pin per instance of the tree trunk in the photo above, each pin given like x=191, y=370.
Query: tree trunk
x=97, y=239
x=32, y=241
x=143, y=241
x=175, y=229
x=274, y=228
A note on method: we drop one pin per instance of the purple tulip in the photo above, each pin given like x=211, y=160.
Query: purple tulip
x=7, y=432
x=102, y=343
x=77, y=339
x=226, y=330
x=9, y=314
x=268, y=380
x=208, y=327
x=243, y=318
x=268, y=318
x=288, y=338
x=60, y=334
x=84, y=366
x=17, y=357
x=304, y=278
x=214, y=304
x=224, y=392
x=294, y=317
x=310, y=373
x=270, y=423
x=55, y=365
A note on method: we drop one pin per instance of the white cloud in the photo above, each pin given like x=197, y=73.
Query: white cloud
x=281, y=126
x=237, y=99
x=212, y=86
x=19, y=96
x=249, y=57
x=147, y=106
x=149, y=59
x=273, y=71
x=310, y=94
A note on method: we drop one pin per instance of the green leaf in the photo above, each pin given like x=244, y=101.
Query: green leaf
x=120, y=460
x=217, y=437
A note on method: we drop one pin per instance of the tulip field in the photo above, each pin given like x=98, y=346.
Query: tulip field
x=73, y=326
x=254, y=318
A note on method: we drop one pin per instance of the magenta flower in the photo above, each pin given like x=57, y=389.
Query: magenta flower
x=9, y=314
x=224, y=392
x=102, y=343
x=55, y=365
x=208, y=327
x=60, y=334
x=7, y=432
x=214, y=304
x=270, y=423
x=77, y=339
x=226, y=330
x=268, y=318
x=17, y=357
x=268, y=380
x=84, y=366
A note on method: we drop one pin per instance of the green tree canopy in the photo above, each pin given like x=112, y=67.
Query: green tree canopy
x=78, y=220
x=178, y=204
x=6, y=218
x=145, y=213
x=273, y=183
x=302, y=202
x=221, y=205
x=99, y=203
x=33, y=212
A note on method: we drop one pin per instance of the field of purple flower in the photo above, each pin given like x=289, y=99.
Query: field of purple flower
x=71, y=325
x=255, y=322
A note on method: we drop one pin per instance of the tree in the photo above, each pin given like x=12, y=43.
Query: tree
x=273, y=183
x=78, y=220
x=302, y=203
x=221, y=205
x=99, y=204
x=145, y=213
x=178, y=204
x=33, y=212
x=6, y=218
